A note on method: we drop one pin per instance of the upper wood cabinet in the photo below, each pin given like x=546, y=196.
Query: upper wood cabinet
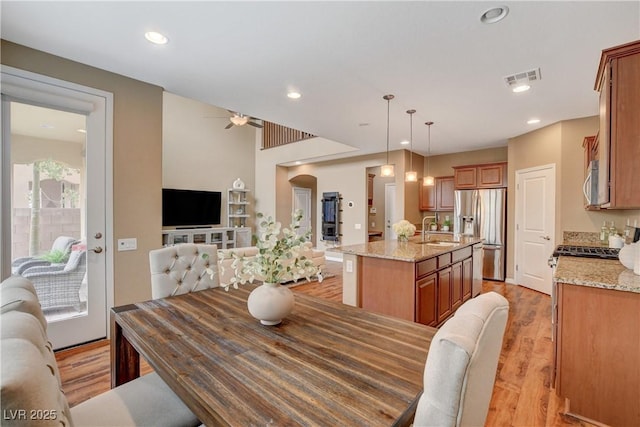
x=618, y=81
x=438, y=197
x=444, y=193
x=490, y=175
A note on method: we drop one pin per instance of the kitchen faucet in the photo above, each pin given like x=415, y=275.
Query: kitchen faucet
x=427, y=217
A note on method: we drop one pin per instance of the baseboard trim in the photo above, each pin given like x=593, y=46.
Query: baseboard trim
x=510, y=280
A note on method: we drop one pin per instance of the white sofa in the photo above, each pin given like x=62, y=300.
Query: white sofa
x=31, y=392
x=225, y=260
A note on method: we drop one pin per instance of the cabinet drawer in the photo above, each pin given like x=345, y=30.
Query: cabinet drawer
x=444, y=260
x=427, y=266
x=461, y=254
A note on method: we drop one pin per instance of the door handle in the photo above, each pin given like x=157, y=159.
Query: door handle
x=545, y=237
x=97, y=249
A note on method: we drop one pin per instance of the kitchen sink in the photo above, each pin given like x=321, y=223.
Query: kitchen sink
x=437, y=243
x=443, y=243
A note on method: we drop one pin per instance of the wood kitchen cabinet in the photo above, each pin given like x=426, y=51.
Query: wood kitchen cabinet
x=467, y=278
x=428, y=291
x=618, y=81
x=426, y=300
x=437, y=197
x=597, y=348
x=444, y=294
x=490, y=175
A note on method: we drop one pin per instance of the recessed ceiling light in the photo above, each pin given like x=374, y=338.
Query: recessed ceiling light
x=533, y=121
x=294, y=95
x=81, y=130
x=298, y=162
x=405, y=142
x=495, y=14
x=523, y=87
x=155, y=37
x=47, y=126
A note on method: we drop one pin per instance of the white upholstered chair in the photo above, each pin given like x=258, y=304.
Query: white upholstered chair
x=461, y=366
x=180, y=269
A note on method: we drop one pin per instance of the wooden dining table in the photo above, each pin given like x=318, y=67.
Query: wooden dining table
x=326, y=364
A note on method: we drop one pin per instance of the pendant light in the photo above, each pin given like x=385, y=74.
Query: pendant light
x=387, y=169
x=428, y=179
x=411, y=175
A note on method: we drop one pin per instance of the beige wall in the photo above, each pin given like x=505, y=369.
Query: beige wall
x=559, y=144
x=137, y=160
x=200, y=154
x=574, y=217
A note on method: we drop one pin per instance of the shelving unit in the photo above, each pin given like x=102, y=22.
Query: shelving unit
x=238, y=206
x=238, y=213
x=224, y=237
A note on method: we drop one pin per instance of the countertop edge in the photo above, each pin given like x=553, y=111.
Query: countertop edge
x=596, y=273
x=365, y=249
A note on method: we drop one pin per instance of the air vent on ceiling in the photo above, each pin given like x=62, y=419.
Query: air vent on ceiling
x=525, y=76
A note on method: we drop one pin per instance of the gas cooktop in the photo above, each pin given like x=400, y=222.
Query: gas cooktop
x=586, y=251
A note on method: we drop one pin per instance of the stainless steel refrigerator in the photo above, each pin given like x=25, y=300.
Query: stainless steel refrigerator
x=482, y=213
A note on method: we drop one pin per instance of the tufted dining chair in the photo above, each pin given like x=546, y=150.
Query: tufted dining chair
x=461, y=365
x=180, y=269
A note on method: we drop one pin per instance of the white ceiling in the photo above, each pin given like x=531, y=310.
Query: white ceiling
x=435, y=57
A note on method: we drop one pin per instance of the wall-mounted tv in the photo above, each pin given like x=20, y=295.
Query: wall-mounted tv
x=190, y=208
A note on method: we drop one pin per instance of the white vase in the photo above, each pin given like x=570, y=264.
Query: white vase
x=270, y=303
x=627, y=255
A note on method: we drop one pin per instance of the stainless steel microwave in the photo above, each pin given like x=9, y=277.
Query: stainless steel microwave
x=590, y=187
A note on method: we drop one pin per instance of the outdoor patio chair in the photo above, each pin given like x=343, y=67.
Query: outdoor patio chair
x=59, y=287
x=62, y=243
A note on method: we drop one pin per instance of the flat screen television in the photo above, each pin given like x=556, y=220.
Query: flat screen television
x=190, y=208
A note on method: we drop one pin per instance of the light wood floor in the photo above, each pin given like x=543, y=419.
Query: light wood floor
x=522, y=394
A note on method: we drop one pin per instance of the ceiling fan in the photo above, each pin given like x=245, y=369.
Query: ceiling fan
x=239, y=119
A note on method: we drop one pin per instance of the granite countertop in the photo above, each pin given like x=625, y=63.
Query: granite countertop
x=411, y=251
x=595, y=272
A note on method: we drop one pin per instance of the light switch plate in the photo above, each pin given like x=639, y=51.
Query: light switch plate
x=349, y=266
x=130, y=244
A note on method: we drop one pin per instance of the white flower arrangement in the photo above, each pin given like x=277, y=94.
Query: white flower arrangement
x=404, y=229
x=278, y=259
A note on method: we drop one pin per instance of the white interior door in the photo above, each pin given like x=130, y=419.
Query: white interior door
x=302, y=201
x=57, y=181
x=390, y=211
x=535, y=227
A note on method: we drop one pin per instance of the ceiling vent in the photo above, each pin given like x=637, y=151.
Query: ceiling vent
x=525, y=77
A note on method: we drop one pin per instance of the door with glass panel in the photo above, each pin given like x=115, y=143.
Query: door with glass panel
x=55, y=205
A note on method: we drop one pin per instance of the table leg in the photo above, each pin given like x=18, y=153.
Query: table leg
x=125, y=360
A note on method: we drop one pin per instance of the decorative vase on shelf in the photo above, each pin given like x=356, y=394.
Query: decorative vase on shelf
x=238, y=184
x=270, y=303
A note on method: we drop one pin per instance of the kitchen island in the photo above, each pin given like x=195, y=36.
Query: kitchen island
x=420, y=281
x=597, y=346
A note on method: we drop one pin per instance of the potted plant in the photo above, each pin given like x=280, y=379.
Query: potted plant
x=278, y=260
x=446, y=225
